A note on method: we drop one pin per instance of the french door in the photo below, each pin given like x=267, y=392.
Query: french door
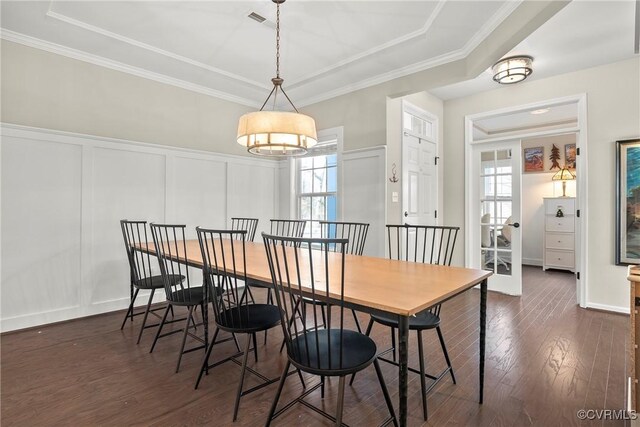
x=496, y=235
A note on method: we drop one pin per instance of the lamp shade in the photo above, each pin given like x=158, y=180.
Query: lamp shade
x=277, y=133
x=563, y=174
x=513, y=69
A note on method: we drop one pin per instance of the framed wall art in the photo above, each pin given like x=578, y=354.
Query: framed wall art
x=628, y=202
x=533, y=159
x=570, y=156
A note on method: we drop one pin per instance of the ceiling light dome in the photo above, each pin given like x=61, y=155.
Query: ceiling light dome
x=277, y=133
x=513, y=69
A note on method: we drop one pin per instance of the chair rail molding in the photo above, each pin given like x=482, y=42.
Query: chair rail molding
x=64, y=193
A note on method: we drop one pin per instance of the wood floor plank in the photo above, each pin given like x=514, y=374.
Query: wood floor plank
x=546, y=358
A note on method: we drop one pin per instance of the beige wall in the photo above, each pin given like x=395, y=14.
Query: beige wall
x=613, y=102
x=46, y=90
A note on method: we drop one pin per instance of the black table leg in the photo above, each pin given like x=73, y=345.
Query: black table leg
x=403, y=352
x=483, y=329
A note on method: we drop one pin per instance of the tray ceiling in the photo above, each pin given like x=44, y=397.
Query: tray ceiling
x=328, y=47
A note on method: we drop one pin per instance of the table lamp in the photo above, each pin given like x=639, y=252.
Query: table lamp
x=564, y=175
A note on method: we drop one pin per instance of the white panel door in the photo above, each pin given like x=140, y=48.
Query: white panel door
x=420, y=180
x=125, y=185
x=496, y=206
x=41, y=233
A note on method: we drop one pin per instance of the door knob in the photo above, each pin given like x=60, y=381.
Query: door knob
x=514, y=225
x=406, y=213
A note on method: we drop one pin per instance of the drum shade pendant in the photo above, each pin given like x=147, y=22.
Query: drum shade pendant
x=513, y=69
x=277, y=133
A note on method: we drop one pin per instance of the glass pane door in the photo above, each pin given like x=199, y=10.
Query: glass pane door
x=497, y=167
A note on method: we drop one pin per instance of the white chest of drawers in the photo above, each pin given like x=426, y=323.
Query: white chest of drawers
x=559, y=233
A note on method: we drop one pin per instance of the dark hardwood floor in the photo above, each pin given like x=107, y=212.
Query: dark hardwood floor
x=546, y=358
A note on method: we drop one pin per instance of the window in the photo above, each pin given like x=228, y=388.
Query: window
x=497, y=185
x=317, y=191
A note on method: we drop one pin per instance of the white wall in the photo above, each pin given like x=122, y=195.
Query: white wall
x=363, y=194
x=535, y=187
x=613, y=113
x=63, y=195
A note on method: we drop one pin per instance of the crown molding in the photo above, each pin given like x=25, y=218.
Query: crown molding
x=490, y=26
x=385, y=77
x=405, y=38
x=141, y=45
x=456, y=55
x=36, y=43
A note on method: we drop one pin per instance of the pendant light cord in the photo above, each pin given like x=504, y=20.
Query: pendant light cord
x=277, y=40
x=277, y=81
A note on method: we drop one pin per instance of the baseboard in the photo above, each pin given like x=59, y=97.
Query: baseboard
x=532, y=261
x=605, y=307
x=68, y=313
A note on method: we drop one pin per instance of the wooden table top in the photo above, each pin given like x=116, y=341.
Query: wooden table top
x=399, y=287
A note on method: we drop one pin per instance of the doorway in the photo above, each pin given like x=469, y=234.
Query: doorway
x=419, y=166
x=491, y=129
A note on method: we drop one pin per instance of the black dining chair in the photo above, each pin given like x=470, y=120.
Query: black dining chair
x=280, y=227
x=171, y=248
x=136, y=242
x=287, y=228
x=426, y=244
x=224, y=269
x=356, y=234
x=306, y=268
x=248, y=224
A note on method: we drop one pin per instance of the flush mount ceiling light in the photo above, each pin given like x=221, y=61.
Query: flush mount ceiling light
x=277, y=133
x=513, y=69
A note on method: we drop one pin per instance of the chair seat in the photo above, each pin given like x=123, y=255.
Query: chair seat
x=310, y=352
x=155, y=282
x=317, y=302
x=422, y=320
x=249, y=318
x=260, y=285
x=189, y=296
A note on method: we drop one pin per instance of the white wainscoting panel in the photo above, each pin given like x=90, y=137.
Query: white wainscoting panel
x=41, y=228
x=62, y=196
x=124, y=185
x=252, y=192
x=363, y=197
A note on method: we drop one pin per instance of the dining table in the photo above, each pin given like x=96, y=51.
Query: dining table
x=376, y=286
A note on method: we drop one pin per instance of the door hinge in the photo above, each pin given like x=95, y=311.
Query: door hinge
x=578, y=275
x=578, y=151
x=436, y=214
x=578, y=213
x=436, y=160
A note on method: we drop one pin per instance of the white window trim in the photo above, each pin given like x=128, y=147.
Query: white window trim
x=324, y=135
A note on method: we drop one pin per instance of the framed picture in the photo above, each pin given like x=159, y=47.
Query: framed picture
x=628, y=202
x=570, y=156
x=534, y=159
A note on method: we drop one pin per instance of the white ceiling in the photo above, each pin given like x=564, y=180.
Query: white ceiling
x=557, y=116
x=584, y=34
x=328, y=47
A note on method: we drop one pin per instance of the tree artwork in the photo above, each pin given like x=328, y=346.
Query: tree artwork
x=554, y=157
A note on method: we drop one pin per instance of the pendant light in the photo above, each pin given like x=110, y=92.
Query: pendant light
x=277, y=133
